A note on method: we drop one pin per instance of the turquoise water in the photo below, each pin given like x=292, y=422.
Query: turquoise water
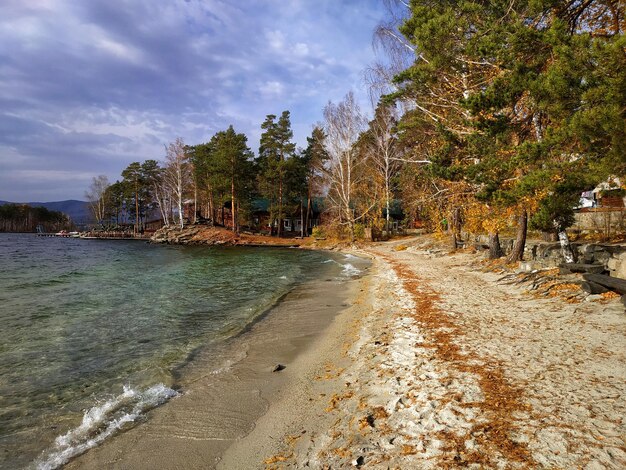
x=93, y=332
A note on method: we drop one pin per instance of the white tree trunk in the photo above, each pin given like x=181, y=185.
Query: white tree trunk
x=566, y=247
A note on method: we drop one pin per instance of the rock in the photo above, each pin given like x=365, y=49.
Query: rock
x=613, y=264
x=583, y=268
x=593, y=288
x=278, y=368
x=527, y=266
x=623, y=300
x=359, y=461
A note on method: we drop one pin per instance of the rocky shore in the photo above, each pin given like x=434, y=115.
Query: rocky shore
x=216, y=236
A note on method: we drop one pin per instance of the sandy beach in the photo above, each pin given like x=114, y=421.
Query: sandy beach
x=446, y=368
x=433, y=364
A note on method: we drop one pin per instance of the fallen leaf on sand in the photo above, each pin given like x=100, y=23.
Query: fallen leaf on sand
x=277, y=458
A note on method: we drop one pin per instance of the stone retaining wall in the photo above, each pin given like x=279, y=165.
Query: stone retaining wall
x=613, y=257
x=548, y=254
x=600, y=220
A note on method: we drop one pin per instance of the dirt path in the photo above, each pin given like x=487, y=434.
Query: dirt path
x=450, y=369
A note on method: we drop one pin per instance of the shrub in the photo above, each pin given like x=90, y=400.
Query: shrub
x=359, y=231
x=318, y=232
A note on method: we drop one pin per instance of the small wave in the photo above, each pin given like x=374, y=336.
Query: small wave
x=283, y=277
x=350, y=270
x=101, y=422
x=350, y=256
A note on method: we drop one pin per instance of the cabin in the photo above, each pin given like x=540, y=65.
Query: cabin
x=293, y=218
x=602, y=209
x=153, y=225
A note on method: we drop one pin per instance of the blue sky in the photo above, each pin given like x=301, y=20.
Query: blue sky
x=88, y=86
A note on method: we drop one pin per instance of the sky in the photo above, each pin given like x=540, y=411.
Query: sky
x=89, y=86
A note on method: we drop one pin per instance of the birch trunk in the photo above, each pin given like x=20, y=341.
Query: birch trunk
x=566, y=248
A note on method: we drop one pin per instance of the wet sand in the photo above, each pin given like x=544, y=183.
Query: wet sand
x=221, y=402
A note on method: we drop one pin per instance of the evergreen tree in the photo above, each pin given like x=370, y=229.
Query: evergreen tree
x=232, y=159
x=274, y=151
x=525, y=102
x=314, y=159
x=133, y=181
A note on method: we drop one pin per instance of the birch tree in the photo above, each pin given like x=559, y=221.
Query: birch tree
x=177, y=175
x=155, y=188
x=344, y=122
x=97, y=197
x=385, y=152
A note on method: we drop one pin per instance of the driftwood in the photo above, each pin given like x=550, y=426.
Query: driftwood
x=613, y=283
x=593, y=288
x=583, y=268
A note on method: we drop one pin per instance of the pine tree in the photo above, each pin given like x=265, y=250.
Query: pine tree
x=275, y=149
x=232, y=159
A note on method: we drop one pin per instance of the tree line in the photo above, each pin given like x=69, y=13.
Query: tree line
x=219, y=180
x=24, y=218
x=487, y=116
x=510, y=109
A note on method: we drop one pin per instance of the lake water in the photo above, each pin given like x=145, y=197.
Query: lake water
x=93, y=333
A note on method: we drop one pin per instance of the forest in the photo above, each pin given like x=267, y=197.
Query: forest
x=487, y=117
x=24, y=218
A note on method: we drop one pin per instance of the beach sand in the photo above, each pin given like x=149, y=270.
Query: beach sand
x=433, y=365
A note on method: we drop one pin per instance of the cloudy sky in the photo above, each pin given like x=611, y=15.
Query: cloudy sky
x=88, y=86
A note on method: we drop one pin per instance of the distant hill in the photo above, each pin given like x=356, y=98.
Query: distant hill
x=77, y=210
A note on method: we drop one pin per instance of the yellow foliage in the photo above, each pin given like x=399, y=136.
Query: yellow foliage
x=481, y=218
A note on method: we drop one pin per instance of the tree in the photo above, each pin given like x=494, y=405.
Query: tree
x=343, y=125
x=177, y=175
x=314, y=158
x=275, y=149
x=382, y=142
x=97, y=197
x=154, y=190
x=116, y=195
x=233, y=159
x=133, y=181
x=518, y=94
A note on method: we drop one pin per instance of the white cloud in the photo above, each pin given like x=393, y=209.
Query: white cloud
x=103, y=83
x=272, y=88
x=276, y=40
x=120, y=50
x=301, y=49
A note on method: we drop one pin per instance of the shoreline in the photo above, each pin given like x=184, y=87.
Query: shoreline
x=434, y=364
x=222, y=402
